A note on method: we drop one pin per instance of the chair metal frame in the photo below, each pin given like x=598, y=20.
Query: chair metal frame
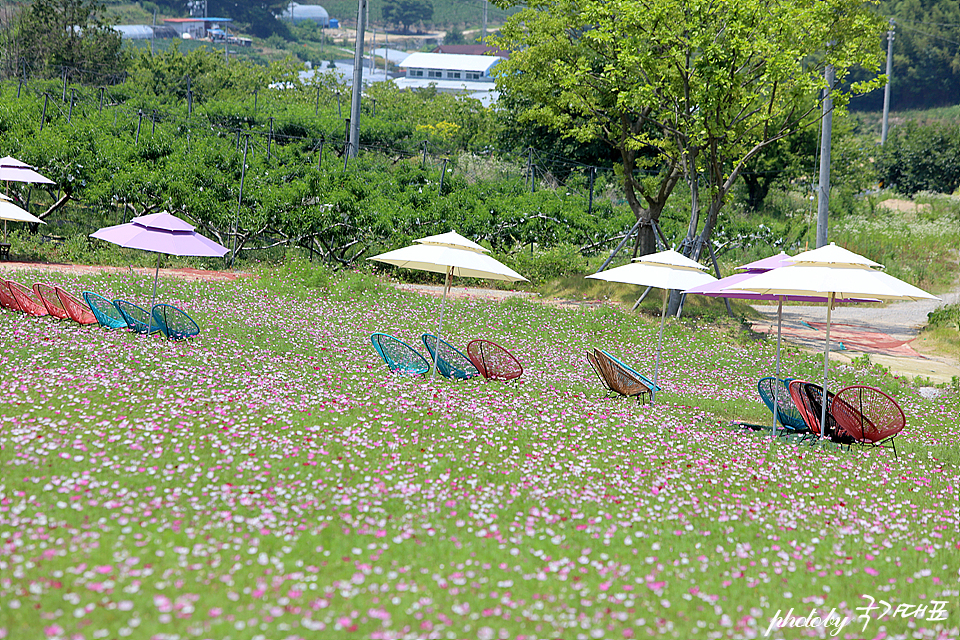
x=105, y=311
x=384, y=343
x=78, y=311
x=493, y=361
x=450, y=362
x=619, y=377
x=788, y=415
x=867, y=423
x=30, y=303
x=163, y=313
x=51, y=302
x=138, y=319
x=7, y=299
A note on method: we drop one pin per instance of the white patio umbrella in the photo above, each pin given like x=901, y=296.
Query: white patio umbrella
x=836, y=273
x=665, y=270
x=10, y=211
x=452, y=254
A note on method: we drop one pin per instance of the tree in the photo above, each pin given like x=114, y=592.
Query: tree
x=698, y=85
x=407, y=12
x=51, y=37
x=258, y=17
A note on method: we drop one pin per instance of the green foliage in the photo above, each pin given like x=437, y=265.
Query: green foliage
x=926, y=60
x=540, y=266
x=946, y=316
x=407, y=13
x=52, y=37
x=919, y=157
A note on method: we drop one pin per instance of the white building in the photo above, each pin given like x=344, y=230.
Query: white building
x=451, y=73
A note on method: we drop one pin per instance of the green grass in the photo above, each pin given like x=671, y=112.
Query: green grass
x=270, y=478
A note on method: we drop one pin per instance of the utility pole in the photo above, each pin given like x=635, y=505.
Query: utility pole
x=886, y=89
x=483, y=30
x=354, y=144
x=823, y=193
x=236, y=223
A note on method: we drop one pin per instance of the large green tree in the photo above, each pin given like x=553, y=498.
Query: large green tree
x=51, y=37
x=407, y=12
x=691, y=88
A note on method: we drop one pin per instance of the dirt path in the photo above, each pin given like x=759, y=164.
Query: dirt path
x=80, y=269
x=884, y=334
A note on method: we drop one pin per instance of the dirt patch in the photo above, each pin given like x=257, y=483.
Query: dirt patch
x=81, y=270
x=895, y=204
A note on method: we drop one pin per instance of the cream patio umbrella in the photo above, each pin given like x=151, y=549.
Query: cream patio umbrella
x=836, y=273
x=451, y=254
x=10, y=211
x=665, y=270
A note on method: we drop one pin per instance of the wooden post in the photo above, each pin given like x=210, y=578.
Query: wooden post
x=43, y=116
x=139, y=122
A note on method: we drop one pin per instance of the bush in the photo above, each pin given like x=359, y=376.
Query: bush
x=921, y=158
x=541, y=266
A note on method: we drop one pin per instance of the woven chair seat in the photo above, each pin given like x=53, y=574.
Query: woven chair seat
x=398, y=355
x=788, y=415
x=137, y=318
x=76, y=310
x=173, y=322
x=7, y=299
x=808, y=398
x=48, y=296
x=493, y=361
x=451, y=362
x=106, y=313
x=868, y=415
x=619, y=377
x=28, y=300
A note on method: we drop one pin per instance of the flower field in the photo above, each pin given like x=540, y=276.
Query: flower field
x=270, y=479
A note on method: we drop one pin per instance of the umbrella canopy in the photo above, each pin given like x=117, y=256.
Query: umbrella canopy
x=835, y=273
x=10, y=211
x=13, y=213
x=452, y=254
x=162, y=233
x=664, y=270
x=13, y=170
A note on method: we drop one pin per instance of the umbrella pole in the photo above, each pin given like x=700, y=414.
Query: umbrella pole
x=443, y=304
x=656, y=367
x=153, y=298
x=776, y=383
x=826, y=364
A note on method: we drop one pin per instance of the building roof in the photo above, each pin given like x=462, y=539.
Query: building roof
x=134, y=31
x=200, y=20
x=393, y=55
x=451, y=61
x=472, y=50
x=299, y=12
x=485, y=92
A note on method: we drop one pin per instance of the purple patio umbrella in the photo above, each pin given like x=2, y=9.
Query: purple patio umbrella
x=731, y=287
x=162, y=233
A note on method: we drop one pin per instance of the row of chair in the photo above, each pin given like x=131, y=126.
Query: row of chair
x=43, y=299
x=857, y=414
x=166, y=319
x=483, y=358
x=619, y=377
